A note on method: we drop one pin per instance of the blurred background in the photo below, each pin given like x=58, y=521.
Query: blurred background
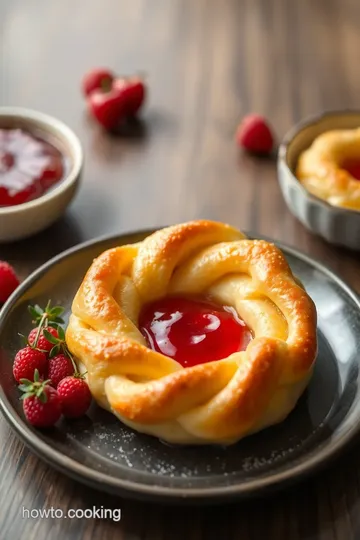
x=207, y=63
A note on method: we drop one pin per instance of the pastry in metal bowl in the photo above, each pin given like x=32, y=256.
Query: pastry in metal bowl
x=318, y=165
x=330, y=168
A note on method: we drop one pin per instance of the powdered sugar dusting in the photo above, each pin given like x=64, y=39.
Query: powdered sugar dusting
x=113, y=444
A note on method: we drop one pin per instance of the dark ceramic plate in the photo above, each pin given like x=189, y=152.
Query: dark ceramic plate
x=100, y=451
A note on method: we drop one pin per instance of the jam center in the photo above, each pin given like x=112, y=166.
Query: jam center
x=28, y=166
x=192, y=330
x=353, y=168
x=6, y=161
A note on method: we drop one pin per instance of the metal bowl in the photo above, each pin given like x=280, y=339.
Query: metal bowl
x=339, y=226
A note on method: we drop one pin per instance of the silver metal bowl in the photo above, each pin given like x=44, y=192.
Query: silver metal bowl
x=338, y=226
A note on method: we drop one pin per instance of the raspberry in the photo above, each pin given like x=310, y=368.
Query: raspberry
x=26, y=361
x=42, y=344
x=75, y=396
x=60, y=366
x=41, y=406
x=8, y=281
x=254, y=134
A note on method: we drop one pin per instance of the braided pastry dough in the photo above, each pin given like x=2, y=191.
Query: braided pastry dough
x=320, y=169
x=217, y=402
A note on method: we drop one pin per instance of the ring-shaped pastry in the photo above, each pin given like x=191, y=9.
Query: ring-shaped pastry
x=217, y=402
x=326, y=168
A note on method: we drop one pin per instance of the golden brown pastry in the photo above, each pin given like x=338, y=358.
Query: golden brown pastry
x=219, y=401
x=330, y=168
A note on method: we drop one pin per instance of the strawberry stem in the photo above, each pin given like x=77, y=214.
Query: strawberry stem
x=106, y=84
x=40, y=327
x=51, y=317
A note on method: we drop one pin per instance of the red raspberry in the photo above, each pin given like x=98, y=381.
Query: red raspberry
x=26, y=361
x=43, y=409
x=75, y=396
x=254, y=134
x=8, y=281
x=60, y=366
x=42, y=343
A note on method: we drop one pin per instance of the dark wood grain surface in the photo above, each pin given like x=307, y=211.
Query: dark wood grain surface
x=208, y=62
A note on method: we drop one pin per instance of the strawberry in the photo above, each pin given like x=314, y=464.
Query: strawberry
x=8, y=281
x=95, y=79
x=28, y=360
x=133, y=94
x=75, y=396
x=60, y=366
x=41, y=403
x=42, y=343
x=112, y=103
x=254, y=134
x=107, y=107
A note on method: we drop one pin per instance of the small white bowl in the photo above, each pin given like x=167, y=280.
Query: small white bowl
x=24, y=220
x=339, y=226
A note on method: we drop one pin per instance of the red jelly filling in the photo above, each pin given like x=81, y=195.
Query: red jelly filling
x=353, y=168
x=193, y=331
x=28, y=167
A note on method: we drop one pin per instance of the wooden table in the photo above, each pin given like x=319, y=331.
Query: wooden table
x=208, y=62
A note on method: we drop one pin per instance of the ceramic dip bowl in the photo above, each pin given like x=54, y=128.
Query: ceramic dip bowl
x=23, y=220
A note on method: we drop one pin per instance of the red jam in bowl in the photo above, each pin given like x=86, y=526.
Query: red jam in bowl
x=193, y=330
x=28, y=167
x=353, y=168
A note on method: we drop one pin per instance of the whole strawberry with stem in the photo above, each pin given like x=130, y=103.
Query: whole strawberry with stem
x=75, y=396
x=26, y=361
x=116, y=100
x=41, y=402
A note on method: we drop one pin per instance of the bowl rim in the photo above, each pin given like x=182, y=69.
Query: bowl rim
x=282, y=158
x=48, y=122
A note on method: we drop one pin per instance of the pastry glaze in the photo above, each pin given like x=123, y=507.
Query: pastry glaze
x=322, y=168
x=218, y=402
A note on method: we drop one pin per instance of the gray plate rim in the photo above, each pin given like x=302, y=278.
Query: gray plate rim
x=120, y=486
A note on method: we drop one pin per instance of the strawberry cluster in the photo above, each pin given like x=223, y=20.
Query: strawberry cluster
x=47, y=373
x=111, y=99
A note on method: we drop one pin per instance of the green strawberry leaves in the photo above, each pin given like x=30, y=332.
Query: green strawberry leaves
x=34, y=388
x=54, y=340
x=59, y=345
x=50, y=316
